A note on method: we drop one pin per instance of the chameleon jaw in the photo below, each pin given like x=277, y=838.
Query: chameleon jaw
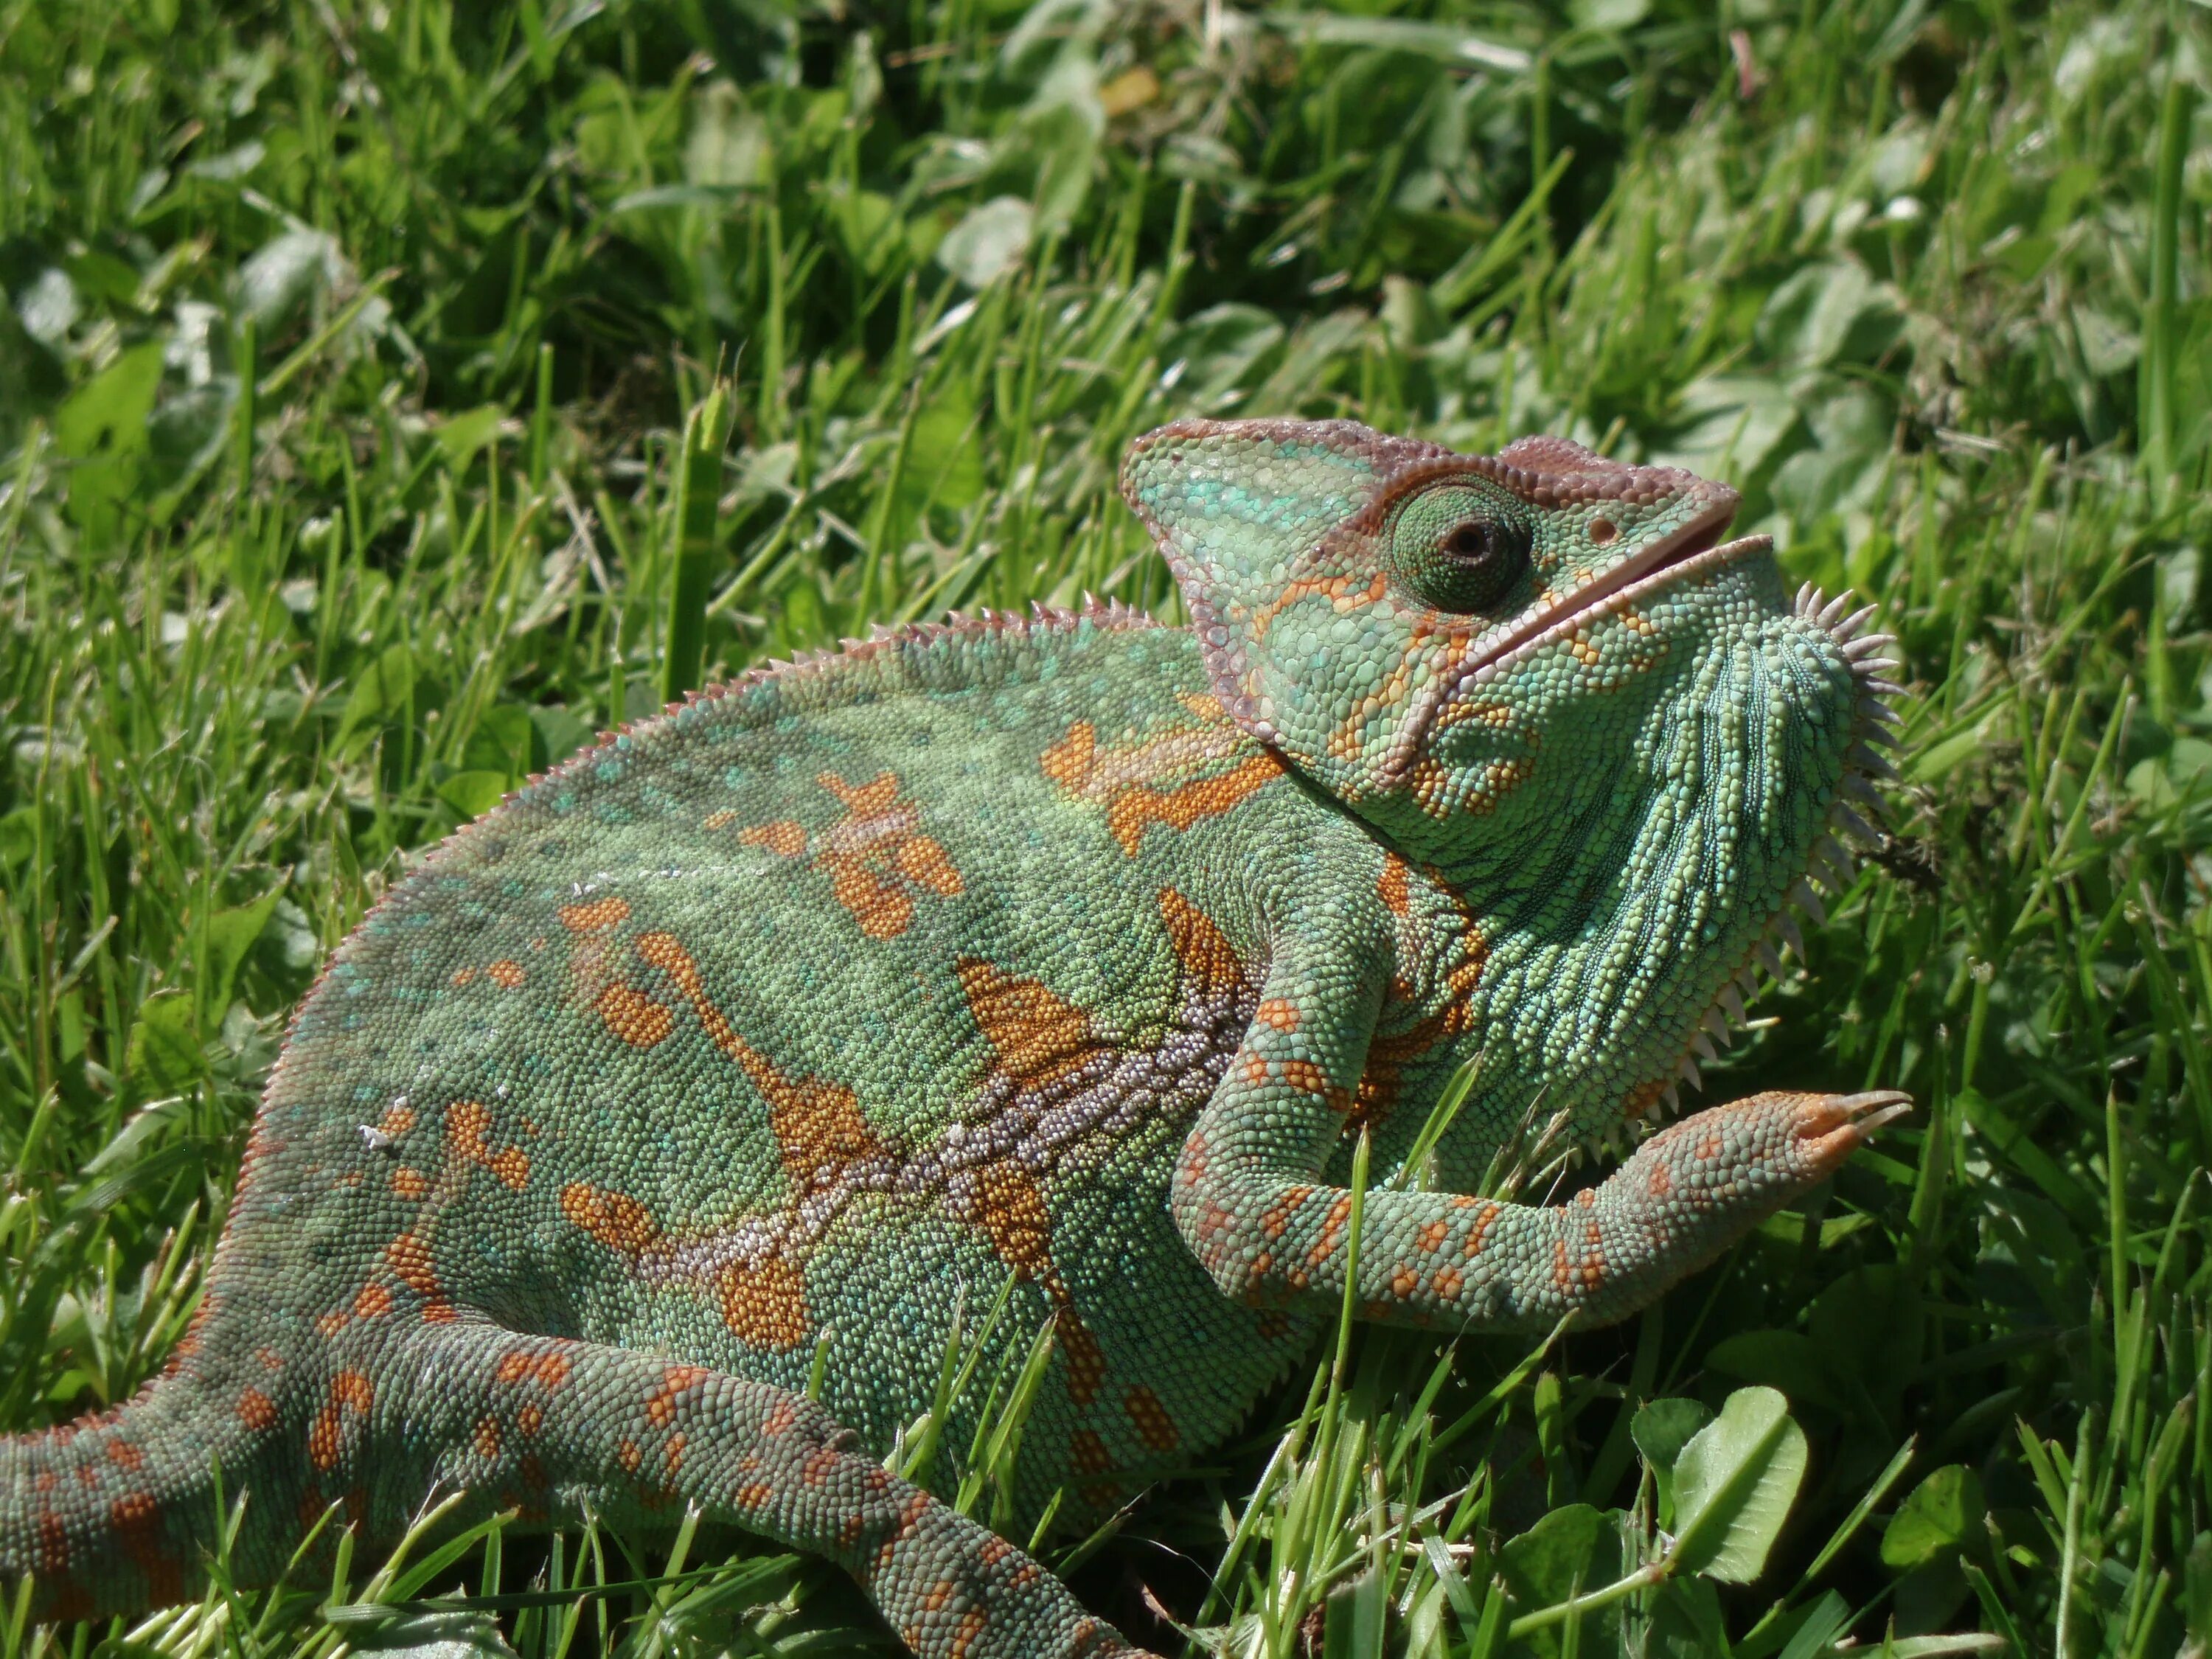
x=1691, y=552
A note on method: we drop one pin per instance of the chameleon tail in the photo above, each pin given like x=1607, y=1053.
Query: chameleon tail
x=111, y=1513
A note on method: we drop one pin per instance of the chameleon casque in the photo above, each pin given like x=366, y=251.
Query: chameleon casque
x=1059, y=958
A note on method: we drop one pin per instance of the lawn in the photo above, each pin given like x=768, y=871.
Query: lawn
x=393, y=394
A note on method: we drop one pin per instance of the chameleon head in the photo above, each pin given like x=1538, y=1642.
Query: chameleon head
x=1545, y=669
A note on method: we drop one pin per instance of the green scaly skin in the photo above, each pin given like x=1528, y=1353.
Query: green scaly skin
x=1058, y=958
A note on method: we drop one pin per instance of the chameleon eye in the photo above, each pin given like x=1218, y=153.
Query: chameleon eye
x=1458, y=549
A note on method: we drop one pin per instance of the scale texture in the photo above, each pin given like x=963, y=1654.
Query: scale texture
x=1019, y=975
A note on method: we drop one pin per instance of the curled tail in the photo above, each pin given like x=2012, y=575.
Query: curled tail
x=113, y=1513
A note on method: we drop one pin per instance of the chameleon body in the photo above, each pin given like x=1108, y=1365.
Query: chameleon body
x=1050, y=965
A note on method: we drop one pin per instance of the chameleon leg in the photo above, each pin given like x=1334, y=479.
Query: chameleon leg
x=558, y=1424
x=1449, y=1259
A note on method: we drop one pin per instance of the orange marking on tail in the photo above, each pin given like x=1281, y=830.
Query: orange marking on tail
x=676, y=1381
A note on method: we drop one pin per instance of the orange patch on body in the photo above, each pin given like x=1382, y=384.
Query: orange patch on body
x=817, y=1124
x=1087, y=1453
x=1153, y=1425
x=1394, y=885
x=1280, y=1012
x=350, y=1391
x=397, y=1121
x=1037, y=1036
x=615, y=1219
x=1131, y=781
x=764, y=1305
x=718, y=819
x=507, y=974
x=1207, y=958
x=256, y=1409
x=125, y=1455
x=634, y=1018
x=408, y=1258
x=468, y=1132
x=876, y=856
x=488, y=1437
x=373, y=1303
x=785, y=837
x=409, y=1183
x=596, y=915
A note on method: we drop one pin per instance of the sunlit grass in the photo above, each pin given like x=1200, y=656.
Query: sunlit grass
x=392, y=395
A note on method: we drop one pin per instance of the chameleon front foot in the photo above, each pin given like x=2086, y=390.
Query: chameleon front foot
x=1748, y=1157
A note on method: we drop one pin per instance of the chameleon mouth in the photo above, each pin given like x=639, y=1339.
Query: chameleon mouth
x=1695, y=551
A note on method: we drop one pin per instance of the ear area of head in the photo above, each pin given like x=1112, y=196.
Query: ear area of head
x=1242, y=512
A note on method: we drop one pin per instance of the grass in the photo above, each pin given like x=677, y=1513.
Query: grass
x=392, y=394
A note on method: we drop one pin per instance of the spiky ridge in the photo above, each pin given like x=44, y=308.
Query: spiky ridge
x=1830, y=863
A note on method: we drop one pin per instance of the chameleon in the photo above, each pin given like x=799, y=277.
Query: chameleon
x=647, y=1146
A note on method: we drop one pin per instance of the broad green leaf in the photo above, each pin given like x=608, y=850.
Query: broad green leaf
x=1788, y=1360
x=230, y=934
x=560, y=733
x=1571, y=1551
x=1660, y=1429
x=466, y=434
x=18, y=837
x=381, y=691
x=436, y=1633
x=103, y=427
x=288, y=274
x=1734, y=1485
x=163, y=1053
x=1944, y=1514
x=990, y=240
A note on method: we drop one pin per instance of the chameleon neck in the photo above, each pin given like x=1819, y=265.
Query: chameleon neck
x=1616, y=904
